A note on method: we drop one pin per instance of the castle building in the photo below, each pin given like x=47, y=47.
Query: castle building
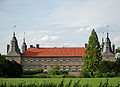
x=68, y=58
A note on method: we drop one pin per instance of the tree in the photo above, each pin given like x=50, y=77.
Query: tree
x=9, y=68
x=118, y=49
x=92, y=54
x=55, y=71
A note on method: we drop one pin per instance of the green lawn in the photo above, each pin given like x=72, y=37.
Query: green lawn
x=94, y=82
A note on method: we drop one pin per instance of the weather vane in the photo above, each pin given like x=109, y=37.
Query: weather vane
x=14, y=28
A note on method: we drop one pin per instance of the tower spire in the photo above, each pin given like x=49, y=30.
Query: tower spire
x=24, y=37
x=24, y=46
x=14, y=31
x=107, y=31
x=13, y=34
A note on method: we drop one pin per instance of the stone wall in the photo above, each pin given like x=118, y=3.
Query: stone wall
x=109, y=58
x=15, y=58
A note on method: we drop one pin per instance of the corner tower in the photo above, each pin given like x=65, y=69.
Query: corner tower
x=24, y=46
x=107, y=53
x=13, y=51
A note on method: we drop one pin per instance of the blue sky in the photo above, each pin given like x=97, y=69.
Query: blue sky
x=58, y=23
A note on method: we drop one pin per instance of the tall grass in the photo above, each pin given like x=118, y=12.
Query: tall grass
x=61, y=84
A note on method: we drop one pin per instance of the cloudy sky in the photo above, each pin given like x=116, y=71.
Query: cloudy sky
x=58, y=23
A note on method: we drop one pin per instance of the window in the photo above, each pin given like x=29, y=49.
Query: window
x=67, y=60
x=48, y=60
x=54, y=60
x=73, y=60
x=61, y=69
x=107, y=59
x=45, y=70
x=67, y=69
x=60, y=60
x=25, y=69
x=80, y=69
x=42, y=60
x=36, y=60
x=31, y=60
x=73, y=69
x=25, y=60
x=80, y=60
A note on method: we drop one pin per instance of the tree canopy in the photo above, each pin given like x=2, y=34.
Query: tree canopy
x=9, y=68
x=92, y=53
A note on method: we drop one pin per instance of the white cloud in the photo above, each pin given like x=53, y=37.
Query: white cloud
x=49, y=38
x=37, y=32
x=2, y=13
x=88, y=12
x=89, y=28
x=80, y=30
x=68, y=44
x=117, y=39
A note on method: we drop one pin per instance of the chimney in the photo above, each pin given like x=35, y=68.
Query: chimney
x=37, y=46
x=85, y=45
x=31, y=46
x=8, y=47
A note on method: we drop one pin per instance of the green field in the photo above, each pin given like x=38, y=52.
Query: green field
x=94, y=82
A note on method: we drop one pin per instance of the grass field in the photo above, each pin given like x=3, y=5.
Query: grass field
x=94, y=82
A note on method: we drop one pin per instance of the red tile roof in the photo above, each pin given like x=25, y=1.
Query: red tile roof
x=55, y=52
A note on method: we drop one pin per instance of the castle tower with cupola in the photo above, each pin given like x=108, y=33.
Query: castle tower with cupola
x=107, y=50
x=13, y=51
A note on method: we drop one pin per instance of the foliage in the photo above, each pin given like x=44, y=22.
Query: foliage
x=56, y=67
x=97, y=74
x=32, y=71
x=55, y=71
x=118, y=49
x=107, y=69
x=84, y=74
x=9, y=68
x=106, y=66
x=41, y=76
x=92, y=54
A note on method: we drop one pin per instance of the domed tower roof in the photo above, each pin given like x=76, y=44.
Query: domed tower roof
x=14, y=49
x=107, y=47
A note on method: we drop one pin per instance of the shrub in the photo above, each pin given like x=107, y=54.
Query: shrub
x=32, y=72
x=57, y=72
x=118, y=74
x=97, y=74
x=108, y=74
x=68, y=76
x=41, y=76
x=84, y=74
x=112, y=74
